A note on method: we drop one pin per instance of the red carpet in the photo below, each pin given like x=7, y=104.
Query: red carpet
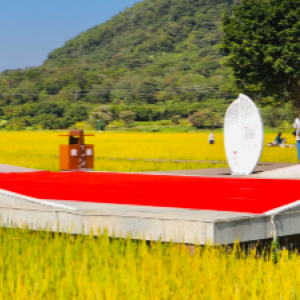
x=224, y=194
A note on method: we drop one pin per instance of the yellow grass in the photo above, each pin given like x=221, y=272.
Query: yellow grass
x=40, y=150
x=41, y=265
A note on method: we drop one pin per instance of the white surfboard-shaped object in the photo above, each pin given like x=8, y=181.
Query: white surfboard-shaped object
x=243, y=136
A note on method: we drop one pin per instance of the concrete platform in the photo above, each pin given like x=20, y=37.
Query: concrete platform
x=5, y=168
x=223, y=172
x=151, y=223
x=292, y=172
x=220, y=172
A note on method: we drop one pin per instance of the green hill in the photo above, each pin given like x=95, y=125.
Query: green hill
x=158, y=51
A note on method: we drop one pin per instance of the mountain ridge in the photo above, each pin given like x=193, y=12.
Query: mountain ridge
x=156, y=51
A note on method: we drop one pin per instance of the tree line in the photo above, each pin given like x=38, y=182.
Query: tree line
x=63, y=116
x=155, y=52
x=165, y=59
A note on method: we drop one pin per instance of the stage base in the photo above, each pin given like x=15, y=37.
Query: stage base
x=143, y=222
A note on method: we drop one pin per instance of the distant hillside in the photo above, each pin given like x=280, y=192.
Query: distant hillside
x=158, y=50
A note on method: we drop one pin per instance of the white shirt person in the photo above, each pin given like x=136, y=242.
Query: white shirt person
x=297, y=127
x=211, y=138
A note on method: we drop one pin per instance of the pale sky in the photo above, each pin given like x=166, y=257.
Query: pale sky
x=30, y=29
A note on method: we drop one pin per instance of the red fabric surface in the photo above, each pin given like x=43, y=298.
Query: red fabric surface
x=223, y=194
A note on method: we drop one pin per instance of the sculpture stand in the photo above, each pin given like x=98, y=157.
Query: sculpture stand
x=243, y=136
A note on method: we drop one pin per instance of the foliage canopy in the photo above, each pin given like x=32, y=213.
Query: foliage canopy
x=262, y=44
x=155, y=52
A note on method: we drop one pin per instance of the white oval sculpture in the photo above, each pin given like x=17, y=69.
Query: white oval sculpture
x=243, y=136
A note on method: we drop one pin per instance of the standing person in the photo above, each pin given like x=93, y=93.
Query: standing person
x=297, y=127
x=211, y=138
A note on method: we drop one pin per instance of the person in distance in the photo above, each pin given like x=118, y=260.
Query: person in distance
x=211, y=138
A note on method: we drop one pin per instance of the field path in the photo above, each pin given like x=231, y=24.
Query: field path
x=4, y=168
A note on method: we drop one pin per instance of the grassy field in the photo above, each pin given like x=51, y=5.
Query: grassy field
x=43, y=265
x=112, y=150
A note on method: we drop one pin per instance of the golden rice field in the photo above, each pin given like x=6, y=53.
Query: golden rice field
x=43, y=265
x=39, y=150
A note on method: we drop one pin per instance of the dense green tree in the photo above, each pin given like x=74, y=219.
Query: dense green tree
x=156, y=53
x=18, y=124
x=101, y=114
x=261, y=42
x=46, y=121
x=79, y=112
x=274, y=117
x=128, y=117
x=175, y=119
x=202, y=118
